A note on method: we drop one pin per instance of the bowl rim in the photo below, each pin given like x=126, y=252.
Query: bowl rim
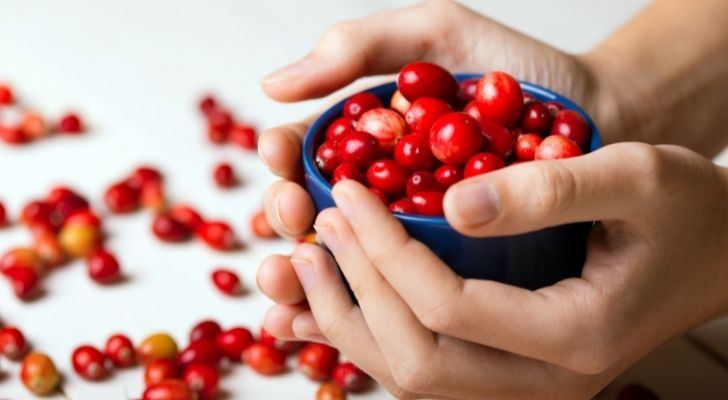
x=318, y=127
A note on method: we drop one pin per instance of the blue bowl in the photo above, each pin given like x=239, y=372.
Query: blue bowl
x=530, y=260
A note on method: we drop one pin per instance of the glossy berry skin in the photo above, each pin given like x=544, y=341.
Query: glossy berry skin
x=205, y=330
x=526, y=146
x=166, y=228
x=571, y=125
x=455, y=137
x=428, y=203
x=39, y=374
x=402, y=206
x=227, y=281
x=350, y=378
x=413, y=152
x=155, y=347
x=448, y=175
x=79, y=240
x=386, y=125
x=387, y=176
x=347, y=170
x=144, y=175
x=159, y=370
x=466, y=90
x=265, y=360
x=269, y=340
x=328, y=157
x=497, y=139
x=472, y=110
x=554, y=107
x=6, y=95
x=219, y=123
x=358, y=148
x=338, y=129
x=482, y=163
x=40, y=216
x=67, y=205
x=556, y=147
x=89, y=363
x=421, y=181
x=21, y=257
x=187, y=216
x=423, y=79
x=424, y=112
x=202, y=379
x=103, y=266
x=121, y=198
x=399, y=103
x=217, y=235
x=169, y=389
x=24, y=281
x=244, y=136
x=360, y=103
x=84, y=218
x=233, y=342
x=499, y=98
x=12, y=342
x=317, y=361
x=224, y=175
x=200, y=351
x=120, y=350
x=70, y=124
x=330, y=391
x=536, y=118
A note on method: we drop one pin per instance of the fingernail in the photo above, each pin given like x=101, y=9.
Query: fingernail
x=327, y=236
x=475, y=203
x=288, y=73
x=344, y=204
x=304, y=272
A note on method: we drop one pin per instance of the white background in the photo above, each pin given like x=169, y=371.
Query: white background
x=135, y=69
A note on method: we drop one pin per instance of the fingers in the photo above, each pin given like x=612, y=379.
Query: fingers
x=280, y=149
x=279, y=321
x=277, y=280
x=289, y=208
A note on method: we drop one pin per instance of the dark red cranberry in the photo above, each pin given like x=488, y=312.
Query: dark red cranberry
x=3, y=215
x=200, y=351
x=424, y=112
x=554, y=107
x=69, y=205
x=403, y=206
x=224, y=175
x=472, y=110
x=186, y=215
x=338, y=129
x=103, y=266
x=219, y=124
x=218, y=235
x=121, y=198
x=347, y=171
x=120, y=350
x=421, y=181
x=358, y=148
x=168, y=229
x=244, y=136
x=387, y=176
x=498, y=140
x=144, y=175
x=233, y=342
x=413, y=152
x=327, y=157
x=360, y=103
x=556, y=147
x=571, y=125
x=526, y=146
x=207, y=104
x=448, y=175
x=536, y=118
x=12, y=342
x=423, y=79
x=39, y=215
x=482, y=163
x=24, y=281
x=428, y=203
x=202, y=380
x=528, y=97
x=499, y=98
x=6, y=95
x=455, y=137
x=205, y=330
x=466, y=90
x=317, y=361
x=349, y=377
x=12, y=135
x=386, y=125
x=227, y=281
x=70, y=123
x=89, y=363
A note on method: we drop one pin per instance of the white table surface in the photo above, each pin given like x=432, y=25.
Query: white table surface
x=135, y=70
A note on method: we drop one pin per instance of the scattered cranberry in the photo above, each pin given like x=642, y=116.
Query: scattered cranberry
x=233, y=342
x=424, y=112
x=160, y=370
x=448, y=175
x=339, y=129
x=103, y=266
x=387, y=176
x=536, y=118
x=207, y=104
x=386, y=125
x=422, y=79
x=555, y=147
x=244, y=136
x=121, y=198
x=224, y=175
x=84, y=218
x=317, y=360
x=455, y=137
x=33, y=126
x=266, y=338
x=526, y=146
x=24, y=281
x=413, y=152
x=265, y=360
x=12, y=342
x=21, y=257
x=39, y=216
x=120, y=351
x=157, y=346
x=205, y=330
x=347, y=170
x=428, y=203
x=187, y=216
x=152, y=197
x=421, y=181
x=499, y=98
x=89, y=363
x=169, y=389
x=79, y=240
x=349, y=377
x=358, y=148
x=12, y=135
x=218, y=235
x=402, y=206
x=39, y=374
x=202, y=379
x=6, y=95
x=143, y=176
x=168, y=229
x=68, y=205
x=71, y=124
x=261, y=227
x=466, y=90
x=571, y=125
x=219, y=123
x=399, y=103
x=227, y=281
x=327, y=157
x=330, y=391
x=497, y=139
x=360, y=103
x=482, y=163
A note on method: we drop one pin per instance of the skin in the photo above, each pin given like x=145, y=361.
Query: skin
x=656, y=262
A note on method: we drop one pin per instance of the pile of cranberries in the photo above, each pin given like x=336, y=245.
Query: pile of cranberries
x=437, y=131
x=223, y=128
x=37, y=371
x=20, y=124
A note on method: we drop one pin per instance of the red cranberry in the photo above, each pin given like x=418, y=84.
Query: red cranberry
x=330, y=391
x=166, y=228
x=261, y=227
x=499, y=98
x=169, y=389
x=448, y=175
x=347, y=170
x=554, y=107
x=200, y=351
x=526, y=146
x=58, y=193
x=265, y=360
x=571, y=125
x=202, y=380
x=89, y=363
x=360, y=103
x=160, y=370
x=219, y=124
x=207, y=104
x=70, y=123
x=482, y=163
x=39, y=215
x=358, y=148
x=387, y=176
x=399, y=103
x=402, y=206
x=422, y=79
x=472, y=110
x=218, y=235
x=536, y=118
x=455, y=137
x=386, y=125
x=428, y=203
x=205, y=330
x=413, y=152
x=466, y=90
x=3, y=215
x=227, y=281
x=350, y=378
x=12, y=135
x=186, y=215
x=421, y=181
x=144, y=175
x=556, y=147
x=103, y=266
x=83, y=218
x=24, y=281
x=233, y=342
x=12, y=342
x=424, y=112
x=33, y=126
x=328, y=157
x=527, y=98
x=224, y=175
x=21, y=257
x=317, y=361
x=244, y=136
x=120, y=350
x=6, y=95
x=121, y=198
x=152, y=197
x=69, y=205
x=269, y=340
x=498, y=140
x=339, y=129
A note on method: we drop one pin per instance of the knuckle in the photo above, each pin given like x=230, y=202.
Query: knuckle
x=392, y=253
x=342, y=33
x=412, y=377
x=555, y=188
x=443, y=317
x=334, y=327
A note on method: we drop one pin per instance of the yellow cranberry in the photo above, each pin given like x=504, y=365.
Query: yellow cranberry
x=79, y=240
x=49, y=249
x=156, y=346
x=39, y=374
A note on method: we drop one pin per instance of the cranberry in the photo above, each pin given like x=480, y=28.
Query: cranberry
x=482, y=163
x=103, y=266
x=358, y=148
x=571, y=125
x=6, y=95
x=349, y=377
x=328, y=157
x=70, y=123
x=413, y=152
x=339, y=129
x=218, y=235
x=187, y=216
x=39, y=215
x=526, y=146
x=346, y=170
x=421, y=181
x=528, y=97
x=33, y=126
x=21, y=257
x=89, y=363
x=466, y=90
x=83, y=218
x=202, y=379
x=205, y=330
x=554, y=107
x=244, y=136
x=317, y=361
x=428, y=203
x=160, y=370
x=536, y=118
x=3, y=215
x=233, y=342
x=387, y=176
x=224, y=175
x=12, y=135
x=219, y=123
x=399, y=103
x=472, y=110
x=261, y=227
x=267, y=339
x=422, y=79
x=386, y=125
x=144, y=175
x=152, y=197
x=121, y=198
x=265, y=360
x=169, y=389
x=12, y=342
x=455, y=137
x=157, y=346
x=499, y=98
x=360, y=103
x=207, y=104
x=168, y=229
x=635, y=391
x=69, y=205
x=555, y=147
x=227, y=281
x=24, y=281
x=424, y=112
x=498, y=140
x=402, y=206
x=120, y=351
x=330, y=391
x=448, y=175
x=39, y=374
x=79, y=240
